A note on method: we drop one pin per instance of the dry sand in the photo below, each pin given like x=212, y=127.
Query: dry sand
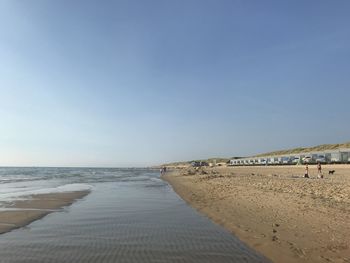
x=274, y=210
x=23, y=212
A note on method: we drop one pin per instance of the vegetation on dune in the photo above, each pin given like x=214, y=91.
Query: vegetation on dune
x=321, y=147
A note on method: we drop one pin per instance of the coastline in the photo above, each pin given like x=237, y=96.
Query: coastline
x=20, y=213
x=275, y=210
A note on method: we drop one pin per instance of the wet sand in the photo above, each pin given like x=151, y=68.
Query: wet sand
x=275, y=210
x=136, y=217
x=22, y=212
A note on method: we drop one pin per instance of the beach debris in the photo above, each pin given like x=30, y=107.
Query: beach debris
x=271, y=175
x=274, y=230
x=190, y=172
x=274, y=238
x=211, y=176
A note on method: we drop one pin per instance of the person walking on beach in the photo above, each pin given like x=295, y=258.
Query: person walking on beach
x=162, y=170
x=306, y=171
x=319, y=170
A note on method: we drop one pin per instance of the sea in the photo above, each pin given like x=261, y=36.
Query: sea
x=130, y=215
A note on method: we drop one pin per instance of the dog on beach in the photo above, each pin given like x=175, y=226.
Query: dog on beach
x=331, y=172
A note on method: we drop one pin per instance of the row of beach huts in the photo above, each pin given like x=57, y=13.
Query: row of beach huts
x=324, y=157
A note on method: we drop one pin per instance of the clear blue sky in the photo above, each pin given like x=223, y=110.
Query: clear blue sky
x=133, y=83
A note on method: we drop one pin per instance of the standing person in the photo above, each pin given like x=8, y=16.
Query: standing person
x=319, y=170
x=306, y=171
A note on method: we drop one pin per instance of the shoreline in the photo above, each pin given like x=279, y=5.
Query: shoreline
x=274, y=210
x=19, y=213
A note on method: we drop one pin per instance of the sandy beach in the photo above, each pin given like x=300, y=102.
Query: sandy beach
x=275, y=210
x=20, y=213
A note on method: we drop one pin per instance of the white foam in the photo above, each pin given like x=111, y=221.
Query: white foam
x=158, y=180
x=10, y=196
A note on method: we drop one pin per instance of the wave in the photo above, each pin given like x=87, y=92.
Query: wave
x=15, y=195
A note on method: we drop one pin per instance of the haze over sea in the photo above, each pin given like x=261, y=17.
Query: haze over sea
x=131, y=215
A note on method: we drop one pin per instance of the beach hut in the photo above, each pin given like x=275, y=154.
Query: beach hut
x=321, y=158
x=295, y=159
x=285, y=159
x=344, y=157
x=270, y=160
x=328, y=157
x=263, y=161
x=335, y=157
x=280, y=160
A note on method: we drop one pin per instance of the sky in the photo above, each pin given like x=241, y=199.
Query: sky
x=139, y=83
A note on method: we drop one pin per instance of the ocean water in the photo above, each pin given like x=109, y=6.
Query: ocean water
x=131, y=215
